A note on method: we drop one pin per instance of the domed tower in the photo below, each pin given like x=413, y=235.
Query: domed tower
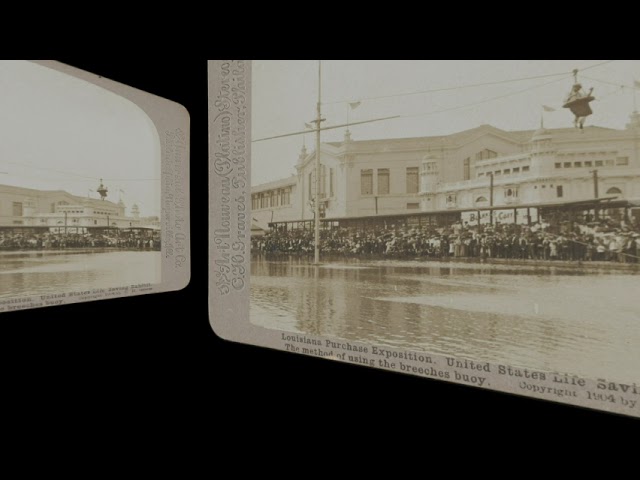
x=543, y=152
x=102, y=190
x=429, y=178
x=121, y=207
x=135, y=211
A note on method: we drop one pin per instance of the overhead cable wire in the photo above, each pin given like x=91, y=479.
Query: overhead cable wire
x=459, y=107
x=486, y=100
x=595, y=66
x=606, y=82
x=81, y=177
x=563, y=76
x=460, y=87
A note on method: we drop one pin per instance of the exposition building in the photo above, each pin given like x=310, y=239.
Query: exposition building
x=57, y=211
x=481, y=175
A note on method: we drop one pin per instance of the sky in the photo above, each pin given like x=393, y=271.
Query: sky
x=285, y=93
x=59, y=132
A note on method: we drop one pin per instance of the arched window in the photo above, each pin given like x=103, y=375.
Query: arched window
x=430, y=168
x=614, y=190
x=486, y=154
x=481, y=200
x=510, y=193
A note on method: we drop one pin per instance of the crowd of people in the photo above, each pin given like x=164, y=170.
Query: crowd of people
x=11, y=240
x=593, y=241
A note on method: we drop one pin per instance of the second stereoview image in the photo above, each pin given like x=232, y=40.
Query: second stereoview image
x=477, y=222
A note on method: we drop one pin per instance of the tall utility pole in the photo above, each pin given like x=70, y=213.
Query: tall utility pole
x=595, y=192
x=490, y=199
x=318, y=128
x=318, y=120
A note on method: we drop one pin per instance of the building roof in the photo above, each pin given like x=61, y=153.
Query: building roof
x=458, y=138
x=95, y=202
x=520, y=138
x=283, y=182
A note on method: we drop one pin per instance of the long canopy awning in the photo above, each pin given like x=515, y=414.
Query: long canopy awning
x=609, y=202
x=605, y=202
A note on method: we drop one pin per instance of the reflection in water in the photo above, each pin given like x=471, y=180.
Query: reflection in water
x=37, y=273
x=580, y=321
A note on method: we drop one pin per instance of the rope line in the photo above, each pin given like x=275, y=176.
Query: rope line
x=460, y=87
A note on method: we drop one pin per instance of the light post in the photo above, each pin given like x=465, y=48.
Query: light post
x=595, y=192
x=316, y=214
x=317, y=128
x=491, y=198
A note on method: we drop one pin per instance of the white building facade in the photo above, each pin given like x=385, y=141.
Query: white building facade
x=274, y=202
x=356, y=179
x=469, y=170
x=554, y=166
x=59, y=211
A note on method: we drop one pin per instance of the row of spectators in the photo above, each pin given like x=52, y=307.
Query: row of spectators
x=44, y=241
x=594, y=241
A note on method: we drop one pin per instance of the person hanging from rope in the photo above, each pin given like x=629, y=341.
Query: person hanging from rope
x=581, y=110
x=578, y=102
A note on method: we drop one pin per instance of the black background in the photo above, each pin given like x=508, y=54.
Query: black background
x=153, y=360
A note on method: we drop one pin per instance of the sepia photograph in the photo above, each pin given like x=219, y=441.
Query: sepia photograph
x=469, y=221
x=80, y=188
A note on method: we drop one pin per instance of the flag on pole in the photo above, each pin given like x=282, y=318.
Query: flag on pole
x=546, y=108
x=308, y=125
x=354, y=105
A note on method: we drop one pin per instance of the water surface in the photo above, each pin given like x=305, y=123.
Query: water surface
x=39, y=273
x=584, y=320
